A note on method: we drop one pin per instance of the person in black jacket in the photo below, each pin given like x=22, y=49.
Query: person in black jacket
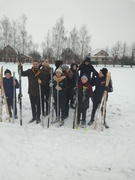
x=60, y=87
x=9, y=84
x=74, y=78
x=87, y=68
x=35, y=79
x=68, y=73
x=45, y=87
x=99, y=83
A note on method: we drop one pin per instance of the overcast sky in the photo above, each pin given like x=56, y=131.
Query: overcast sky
x=108, y=21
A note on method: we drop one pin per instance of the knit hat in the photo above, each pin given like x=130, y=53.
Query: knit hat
x=84, y=76
x=59, y=70
x=64, y=67
x=87, y=59
x=104, y=71
x=7, y=71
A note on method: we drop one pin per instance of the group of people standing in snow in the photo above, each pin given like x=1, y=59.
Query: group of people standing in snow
x=66, y=82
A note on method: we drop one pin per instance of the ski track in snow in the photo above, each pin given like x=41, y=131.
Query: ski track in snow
x=32, y=152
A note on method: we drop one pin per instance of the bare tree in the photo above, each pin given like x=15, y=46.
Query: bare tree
x=132, y=54
x=116, y=50
x=14, y=30
x=58, y=38
x=46, y=47
x=84, y=39
x=24, y=40
x=124, y=51
x=106, y=58
x=74, y=41
x=6, y=35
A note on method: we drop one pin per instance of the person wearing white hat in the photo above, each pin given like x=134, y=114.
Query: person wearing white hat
x=60, y=87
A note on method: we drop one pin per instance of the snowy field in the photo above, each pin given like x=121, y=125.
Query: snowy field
x=31, y=152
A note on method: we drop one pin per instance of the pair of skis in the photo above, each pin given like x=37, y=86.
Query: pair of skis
x=3, y=99
x=51, y=101
x=75, y=121
x=20, y=89
x=102, y=105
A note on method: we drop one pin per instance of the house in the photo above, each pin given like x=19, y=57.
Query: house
x=100, y=56
x=8, y=54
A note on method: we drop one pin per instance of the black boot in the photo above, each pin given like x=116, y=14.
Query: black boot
x=38, y=121
x=32, y=120
x=90, y=123
x=106, y=126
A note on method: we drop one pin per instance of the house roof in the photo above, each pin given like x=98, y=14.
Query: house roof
x=98, y=50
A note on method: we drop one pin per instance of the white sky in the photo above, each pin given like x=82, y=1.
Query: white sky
x=108, y=21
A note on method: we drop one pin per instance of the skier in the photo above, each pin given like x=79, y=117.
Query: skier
x=68, y=73
x=84, y=93
x=60, y=86
x=99, y=83
x=45, y=87
x=9, y=84
x=35, y=79
x=73, y=68
x=87, y=68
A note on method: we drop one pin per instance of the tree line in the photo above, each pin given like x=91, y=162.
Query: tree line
x=58, y=42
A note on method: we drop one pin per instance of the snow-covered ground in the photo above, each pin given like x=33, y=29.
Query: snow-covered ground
x=31, y=152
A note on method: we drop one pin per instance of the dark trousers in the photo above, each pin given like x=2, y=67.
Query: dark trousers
x=96, y=104
x=35, y=106
x=10, y=103
x=83, y=112
x=61, y=110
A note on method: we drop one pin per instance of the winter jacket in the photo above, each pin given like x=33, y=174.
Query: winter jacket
x=84, y=93
x=62, y=82
x=99, y=84
x=47, y=78
x=87, y=69
x=33, y=76
x=75, y=75
x=8, y=87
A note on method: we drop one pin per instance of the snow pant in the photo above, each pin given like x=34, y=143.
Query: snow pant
x=61, y=110
x=96, y=104
x=82, y=111
x=11, y=106
x=35, y=106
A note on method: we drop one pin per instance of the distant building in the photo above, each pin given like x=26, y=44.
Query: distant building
x=8, y=54
x=100, y=56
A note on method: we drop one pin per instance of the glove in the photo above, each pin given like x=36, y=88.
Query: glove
x=51, y=84
x=58, y=88
x=106, y=88
x=84, y=88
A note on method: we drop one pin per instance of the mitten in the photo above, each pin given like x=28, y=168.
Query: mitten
x=106, y=88
x=58, y=88
x=51, y=84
